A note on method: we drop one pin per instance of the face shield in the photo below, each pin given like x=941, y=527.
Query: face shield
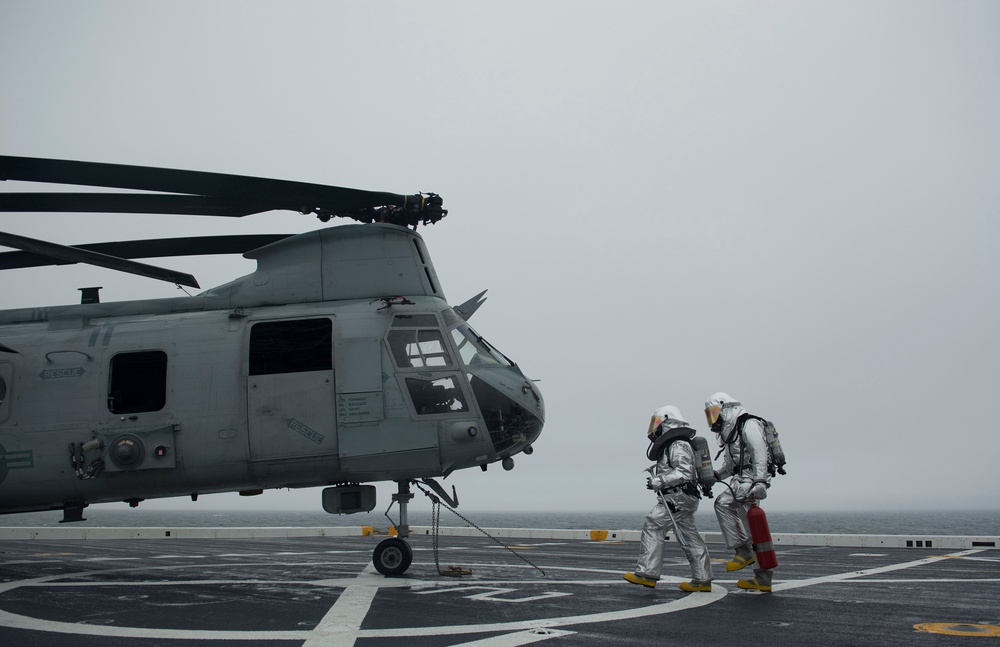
x=713, y=415
x=654, y=424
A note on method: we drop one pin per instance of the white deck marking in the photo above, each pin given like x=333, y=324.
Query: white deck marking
x=341, y=623
x=519, y=638
x=839, y=577
x=495, y=593
x=982, y=559
x=690, y=601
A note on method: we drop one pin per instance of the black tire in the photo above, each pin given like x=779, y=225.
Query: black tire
x=392, y=557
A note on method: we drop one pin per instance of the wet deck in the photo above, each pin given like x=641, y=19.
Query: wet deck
x=322, y=590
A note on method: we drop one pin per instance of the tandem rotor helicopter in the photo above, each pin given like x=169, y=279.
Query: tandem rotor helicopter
x=337, y=363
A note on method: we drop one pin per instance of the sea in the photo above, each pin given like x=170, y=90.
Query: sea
x=981, y=523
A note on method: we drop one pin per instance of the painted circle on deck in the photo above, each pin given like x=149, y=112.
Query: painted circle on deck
x=359, y=586
x=958, y=629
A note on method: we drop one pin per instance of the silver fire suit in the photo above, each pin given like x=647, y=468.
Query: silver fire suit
x=674, y=469
x=745, y=459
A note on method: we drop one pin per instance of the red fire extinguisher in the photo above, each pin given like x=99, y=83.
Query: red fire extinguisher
x=761, y=536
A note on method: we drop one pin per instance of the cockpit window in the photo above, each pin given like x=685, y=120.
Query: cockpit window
x=436, y=395
x=418, y=348
x=508, y=422
x=476, y=350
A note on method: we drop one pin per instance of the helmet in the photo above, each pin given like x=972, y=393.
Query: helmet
x=666, y=425
x=721, y=412
x=665, y=418
x=713, y=406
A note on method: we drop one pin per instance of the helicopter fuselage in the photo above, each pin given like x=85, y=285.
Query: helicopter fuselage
x=338, y=361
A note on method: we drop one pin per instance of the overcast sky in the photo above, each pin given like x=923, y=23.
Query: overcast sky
x=796, y=203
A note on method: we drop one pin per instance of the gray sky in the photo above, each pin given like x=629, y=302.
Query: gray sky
x=796, y=203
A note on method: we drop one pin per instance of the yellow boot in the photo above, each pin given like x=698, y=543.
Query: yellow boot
x=640, y=580
x=739, y=561
x=695, y=587
x=755, y=584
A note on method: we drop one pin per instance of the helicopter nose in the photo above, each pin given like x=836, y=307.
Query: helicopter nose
x=513, y=409
x=529, y=388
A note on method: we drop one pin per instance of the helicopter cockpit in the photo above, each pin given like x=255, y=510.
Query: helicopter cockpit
x=510, y=405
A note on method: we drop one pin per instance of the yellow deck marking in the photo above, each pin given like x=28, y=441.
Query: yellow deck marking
x=958, y=629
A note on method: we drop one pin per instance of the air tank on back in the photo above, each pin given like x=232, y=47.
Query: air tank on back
x=703, y=465
x=774, y=446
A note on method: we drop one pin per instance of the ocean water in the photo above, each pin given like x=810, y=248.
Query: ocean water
x=963, y=522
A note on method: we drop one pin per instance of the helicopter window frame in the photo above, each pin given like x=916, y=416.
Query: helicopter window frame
x=419, y=348
x=281, y=346
x=430, y=395
x=137, y=381
x=475, y=350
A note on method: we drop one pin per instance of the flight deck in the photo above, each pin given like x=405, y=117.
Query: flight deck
x=261, y=586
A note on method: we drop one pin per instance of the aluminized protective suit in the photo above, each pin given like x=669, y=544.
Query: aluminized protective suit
x=674, y=468
x=745, y=460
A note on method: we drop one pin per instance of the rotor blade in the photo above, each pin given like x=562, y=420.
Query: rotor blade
x=157, y=248
x=284, y=194
x=191, y=205
x=77, y=255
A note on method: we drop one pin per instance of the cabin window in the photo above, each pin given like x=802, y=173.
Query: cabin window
x=438, y=395
x=291, y=346
x=418, y=348
x=138, y=382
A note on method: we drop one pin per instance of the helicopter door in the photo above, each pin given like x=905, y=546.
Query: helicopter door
x=290, y=389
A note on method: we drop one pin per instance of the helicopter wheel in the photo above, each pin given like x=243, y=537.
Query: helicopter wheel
x=392, y=557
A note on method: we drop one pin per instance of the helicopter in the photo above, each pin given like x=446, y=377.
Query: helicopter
x=337, y=363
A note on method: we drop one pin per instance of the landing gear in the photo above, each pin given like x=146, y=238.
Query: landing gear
x=392, y=556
